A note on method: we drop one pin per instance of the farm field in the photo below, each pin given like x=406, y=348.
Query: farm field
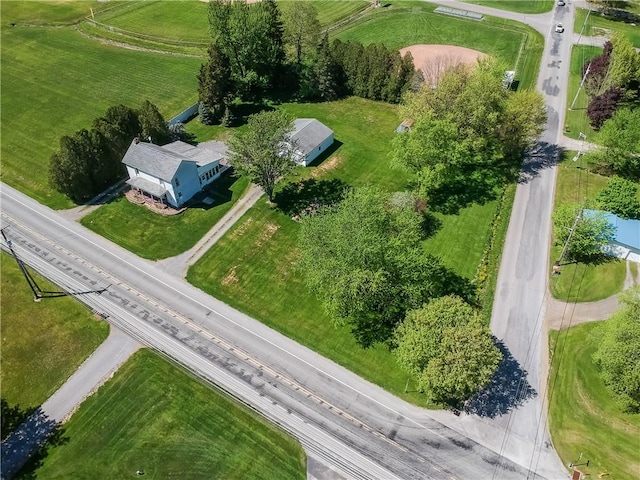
x=597, y=25
x=42, y=342
x=52, y=85
x=579, y=282
x=584, y=418
x=47, y=12
x=527, y=6
x=154, y=417
x=253, y=266
x=576, y=120
x=154, y=236
x=410, y=23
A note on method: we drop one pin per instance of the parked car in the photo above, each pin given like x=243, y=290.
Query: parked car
x=559, y=28
x=561, y=3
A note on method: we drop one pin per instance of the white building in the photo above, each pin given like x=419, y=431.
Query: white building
x=175, y=172
x=312, y=139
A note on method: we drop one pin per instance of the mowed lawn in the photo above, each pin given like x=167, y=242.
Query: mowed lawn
x=42, y=342
x=579, y=282
x=154, y=236
x=576, y=120
x=155, y=418
x=187, y=21
x=597, y=25
x=253, y=267
x=55, y=81
x=521, y=6
x=49, y=12
x=584, y=418
x=411, y=23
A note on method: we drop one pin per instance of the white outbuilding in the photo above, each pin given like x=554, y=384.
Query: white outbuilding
x=312, y=138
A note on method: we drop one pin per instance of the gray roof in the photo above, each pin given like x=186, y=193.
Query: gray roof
x=163, y=162
x=309, y=133
x=152, y=159
x=148, y=186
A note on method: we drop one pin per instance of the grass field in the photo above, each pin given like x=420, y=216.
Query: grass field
x=155, y=418
x=598, y=25
x=253, y=266
x=55, y=81
x=49, y=12
x=409, y=23
x=154, y=236
x=583, y=415
x=42, y=343
x=576, y=120
x=580, y=282
x=521, y=6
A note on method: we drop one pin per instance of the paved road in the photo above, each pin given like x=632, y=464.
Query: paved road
x=344, y=421
x=94, y=371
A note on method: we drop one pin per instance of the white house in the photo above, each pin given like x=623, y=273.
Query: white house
x=312, y=139
x=175, y=172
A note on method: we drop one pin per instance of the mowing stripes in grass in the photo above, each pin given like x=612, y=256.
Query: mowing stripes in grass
x=155, y=418
x=521, y=6
x=54, y=81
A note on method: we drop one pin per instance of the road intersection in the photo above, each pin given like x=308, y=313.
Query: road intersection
x=354, y=426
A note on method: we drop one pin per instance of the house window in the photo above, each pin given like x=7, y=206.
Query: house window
x=320, y=148
x=179, y=194
x=177, y=182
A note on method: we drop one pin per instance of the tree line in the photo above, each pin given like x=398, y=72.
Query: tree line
x=89, y=161
x=258, y=50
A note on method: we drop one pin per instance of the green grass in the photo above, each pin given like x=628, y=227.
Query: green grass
x=410, y=23
x=521, y=6
x=154, y=236
x=49, y=12
x=253, y=267
x=580, y=282
x=598, y=25
x=42, y=342
x=154, y=417
x=55, y=81
x=584, y=417
x=576, y=120
x=333, y=11
x=463, y=237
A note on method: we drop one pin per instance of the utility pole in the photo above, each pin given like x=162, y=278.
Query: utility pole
x=588, y=66
x=571, y=230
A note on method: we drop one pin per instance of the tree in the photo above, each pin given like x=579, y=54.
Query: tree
x=250, y=36
x=523, y=122
x=205, y=114
x=617, y=352
x=364, y=260
x=624, y=68
x=324, y=71
x=215, y=84
x=153, y=124
x=620, y=136
x=620, y=196
x=301, y=29
x=446, y=347
x=598, y=69
x=264, y=152
x=71, y=170
x=591, y=232
x=602, y=107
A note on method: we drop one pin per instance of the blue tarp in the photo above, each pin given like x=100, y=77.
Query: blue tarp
x=627, y=231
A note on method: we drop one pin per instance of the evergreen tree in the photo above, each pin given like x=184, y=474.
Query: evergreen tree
x=205, y=114
x=215, y=83
x=152, y=124
x=325, y=72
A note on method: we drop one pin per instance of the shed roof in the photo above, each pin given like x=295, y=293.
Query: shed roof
x=309, y=133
